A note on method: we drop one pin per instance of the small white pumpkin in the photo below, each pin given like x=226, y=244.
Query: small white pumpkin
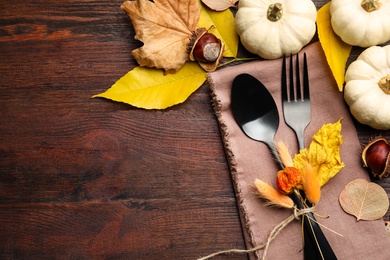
x=273, y=28
x=367, y=89
x=361, y=23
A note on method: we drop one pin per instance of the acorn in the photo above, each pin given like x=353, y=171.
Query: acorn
x=206, y=49
x=376, y=157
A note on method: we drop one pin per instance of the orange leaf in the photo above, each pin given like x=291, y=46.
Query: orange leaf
x=364, y=200
x=165, y=27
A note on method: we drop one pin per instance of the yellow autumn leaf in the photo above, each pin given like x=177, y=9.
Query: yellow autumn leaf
x=323, y=153
x=149, y=88
x=336, y=51
x=224, y=28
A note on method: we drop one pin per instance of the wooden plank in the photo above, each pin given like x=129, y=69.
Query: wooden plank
x=130, y=229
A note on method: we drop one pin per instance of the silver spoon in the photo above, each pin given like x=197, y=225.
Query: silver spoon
x=255, y=111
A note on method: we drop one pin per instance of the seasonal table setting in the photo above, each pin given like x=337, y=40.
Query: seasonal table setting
x=231, y=129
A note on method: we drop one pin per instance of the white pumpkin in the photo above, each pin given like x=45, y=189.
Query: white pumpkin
x=361, y=23
x=367, y=89
x=273, y=28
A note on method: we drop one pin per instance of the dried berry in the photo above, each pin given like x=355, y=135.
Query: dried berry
x=288, y=179
x=376, y=156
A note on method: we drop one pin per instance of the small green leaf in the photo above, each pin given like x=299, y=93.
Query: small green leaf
x=224, y=28
x=149, y=88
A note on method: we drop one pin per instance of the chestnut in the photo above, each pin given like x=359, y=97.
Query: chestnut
x=207, y=48
x=376, y=156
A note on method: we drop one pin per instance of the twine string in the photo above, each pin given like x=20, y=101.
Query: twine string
x=273, y=234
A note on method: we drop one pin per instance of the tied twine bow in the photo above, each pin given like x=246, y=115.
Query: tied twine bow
x=273, y=234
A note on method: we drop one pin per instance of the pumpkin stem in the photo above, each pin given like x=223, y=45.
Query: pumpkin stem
x=371, y=5
x=384, y=84
x=275, y=12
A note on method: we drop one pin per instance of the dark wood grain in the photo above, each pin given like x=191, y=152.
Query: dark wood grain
x=87, y=178
x=84, y=178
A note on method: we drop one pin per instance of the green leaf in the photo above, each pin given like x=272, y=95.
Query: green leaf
x=336, y=51
x=149, y=88
x=224, y=28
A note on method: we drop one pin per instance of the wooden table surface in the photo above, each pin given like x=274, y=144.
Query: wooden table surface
x=84, y=178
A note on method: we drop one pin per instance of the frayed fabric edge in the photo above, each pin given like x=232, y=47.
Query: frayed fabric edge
x=217, y=106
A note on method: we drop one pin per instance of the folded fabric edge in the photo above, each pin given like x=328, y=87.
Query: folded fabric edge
x=216, y=103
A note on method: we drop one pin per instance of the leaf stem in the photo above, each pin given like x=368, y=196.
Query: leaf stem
x=237, y=59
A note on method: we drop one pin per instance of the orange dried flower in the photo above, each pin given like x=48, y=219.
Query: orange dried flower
x=288, y=179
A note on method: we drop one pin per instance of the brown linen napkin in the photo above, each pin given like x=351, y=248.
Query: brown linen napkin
x=249, y=160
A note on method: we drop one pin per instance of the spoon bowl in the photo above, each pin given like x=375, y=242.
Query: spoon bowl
x=254, y=109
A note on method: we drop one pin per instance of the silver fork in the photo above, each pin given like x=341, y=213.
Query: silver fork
x=296, y=99
x=296, y=111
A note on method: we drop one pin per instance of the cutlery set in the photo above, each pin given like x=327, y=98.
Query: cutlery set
x=255, y=111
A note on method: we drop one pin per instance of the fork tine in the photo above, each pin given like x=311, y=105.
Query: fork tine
x=306, y=91
x=284, y=80
x=298, y=81
x=292, y=94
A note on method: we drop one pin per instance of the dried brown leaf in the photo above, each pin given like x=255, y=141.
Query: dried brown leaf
x=364, y=200
x=165, y=27
x=219, y=5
